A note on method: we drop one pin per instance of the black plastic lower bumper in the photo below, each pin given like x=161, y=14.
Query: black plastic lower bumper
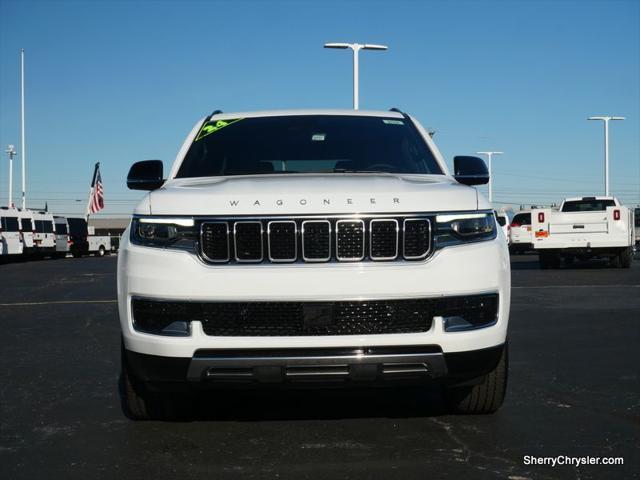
x=361, y=365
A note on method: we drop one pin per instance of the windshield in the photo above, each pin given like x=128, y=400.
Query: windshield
x=308, y=144
x=9, y=224
x=26, y=224
x=592, y=205
x=521, y=219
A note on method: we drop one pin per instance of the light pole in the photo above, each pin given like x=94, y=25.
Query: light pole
x=356, y=47
x=11, y=151
x=22, y=139
x=490, y=156
x=606, y=148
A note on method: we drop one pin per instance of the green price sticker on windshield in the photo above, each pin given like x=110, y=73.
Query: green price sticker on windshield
x=211, y=127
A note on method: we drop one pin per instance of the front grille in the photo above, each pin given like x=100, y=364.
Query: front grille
x=264, y=319
x=288, y=240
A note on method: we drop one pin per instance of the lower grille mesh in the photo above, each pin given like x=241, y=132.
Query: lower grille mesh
x=314, y=318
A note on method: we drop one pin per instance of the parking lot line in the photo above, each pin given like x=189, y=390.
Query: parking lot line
x=58, y=302
x=537, y=287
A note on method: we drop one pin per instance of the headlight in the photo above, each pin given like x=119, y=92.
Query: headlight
x=164, y=232
x=454, y=229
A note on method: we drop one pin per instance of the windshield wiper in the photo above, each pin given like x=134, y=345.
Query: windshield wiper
x=353, y=170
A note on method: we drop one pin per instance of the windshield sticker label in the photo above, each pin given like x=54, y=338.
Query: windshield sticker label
x=211, y=127
x=389, y=121
x=318, y=137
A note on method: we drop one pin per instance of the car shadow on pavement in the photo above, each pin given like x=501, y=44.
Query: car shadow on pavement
x=273, y=403
x=319, y=404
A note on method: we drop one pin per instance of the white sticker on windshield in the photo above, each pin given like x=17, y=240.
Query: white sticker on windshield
x=389, y=121
x=318, y=137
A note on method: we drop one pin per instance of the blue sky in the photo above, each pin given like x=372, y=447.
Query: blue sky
x=118, y=82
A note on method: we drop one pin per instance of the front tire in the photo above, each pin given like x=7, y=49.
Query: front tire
x=139, y=403
x=483, y=398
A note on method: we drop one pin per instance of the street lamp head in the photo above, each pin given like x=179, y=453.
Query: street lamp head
x=371, y=46
x=337, y=45
x=489, y=153
x=606, y=118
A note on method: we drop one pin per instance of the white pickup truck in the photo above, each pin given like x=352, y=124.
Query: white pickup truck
x=584, y=228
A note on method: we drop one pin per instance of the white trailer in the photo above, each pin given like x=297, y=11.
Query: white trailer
x=583, y=228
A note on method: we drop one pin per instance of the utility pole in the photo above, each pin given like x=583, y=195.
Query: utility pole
x=355, y=48
x=11, y=152
x=606, y=148
x=23, y=153
x=490, y=156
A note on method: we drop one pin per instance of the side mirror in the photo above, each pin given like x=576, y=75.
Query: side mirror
x=145, y=175
x=470, y=170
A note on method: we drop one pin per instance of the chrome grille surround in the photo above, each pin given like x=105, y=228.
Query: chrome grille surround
x=372, y=238
x=347, y=239
x=245, y=258
x=368, y=238
x=274, y=258
x=308, y=258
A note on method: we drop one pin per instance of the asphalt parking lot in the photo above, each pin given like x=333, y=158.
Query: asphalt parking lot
x=574, y=390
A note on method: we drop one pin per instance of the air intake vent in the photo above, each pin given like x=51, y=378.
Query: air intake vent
x=350, y=240
x=248, y=241
x=417, y=238
x=282, y=241
x=316, y=240
x=215, y=241
x=384, y=239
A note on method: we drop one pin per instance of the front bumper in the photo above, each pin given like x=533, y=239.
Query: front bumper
x=154, y=273
x=295, y=367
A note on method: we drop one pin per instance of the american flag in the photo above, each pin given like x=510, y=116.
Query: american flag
x=96, y=194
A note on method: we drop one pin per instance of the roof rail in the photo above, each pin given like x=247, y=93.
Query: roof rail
x=394, y=109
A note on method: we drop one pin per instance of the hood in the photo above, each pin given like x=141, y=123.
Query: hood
x=300, y=194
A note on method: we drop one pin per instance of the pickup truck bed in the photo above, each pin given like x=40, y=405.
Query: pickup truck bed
x=561, y=235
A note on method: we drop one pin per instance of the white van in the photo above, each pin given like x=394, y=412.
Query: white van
x=28, y=230
x=63, y=240
x=10, y=233
x=503, y=220
x=520, y=233
x=44, y=238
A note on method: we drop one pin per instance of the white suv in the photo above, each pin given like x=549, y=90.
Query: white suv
x=312, y=247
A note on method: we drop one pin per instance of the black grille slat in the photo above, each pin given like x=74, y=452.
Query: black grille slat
x=282, y=241
x=248, y=241
x=417, y=238
x=215, y=241
x=350, y=240
x=384, y=239
x=316, y=240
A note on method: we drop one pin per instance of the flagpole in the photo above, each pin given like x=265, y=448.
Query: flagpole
x=93, y=183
